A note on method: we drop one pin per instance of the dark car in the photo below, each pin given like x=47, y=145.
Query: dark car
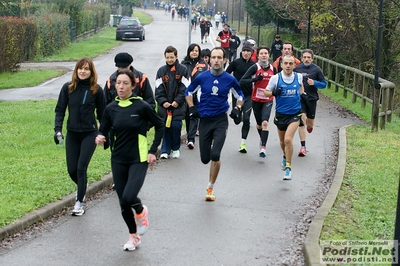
x=129, y=28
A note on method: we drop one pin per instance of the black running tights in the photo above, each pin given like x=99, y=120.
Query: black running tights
x=79, y=151
x=128, y=180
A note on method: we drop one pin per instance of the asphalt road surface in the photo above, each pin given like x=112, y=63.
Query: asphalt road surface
x=252, y=221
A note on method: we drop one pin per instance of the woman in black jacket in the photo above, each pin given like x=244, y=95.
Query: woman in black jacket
x=129, y=117
x=82, y=96
x=195, y=65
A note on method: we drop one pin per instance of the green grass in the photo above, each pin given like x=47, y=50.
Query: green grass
x=366, y=204
x=142, y=16
x=20, y=79
x=33, y=169
x=91, y=47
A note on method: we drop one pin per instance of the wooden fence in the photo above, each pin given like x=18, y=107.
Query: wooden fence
x=361, y=86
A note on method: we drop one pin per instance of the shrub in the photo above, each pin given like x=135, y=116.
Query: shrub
x=16, y=43
x=53, y=32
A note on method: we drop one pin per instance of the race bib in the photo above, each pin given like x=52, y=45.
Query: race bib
x=260, y=94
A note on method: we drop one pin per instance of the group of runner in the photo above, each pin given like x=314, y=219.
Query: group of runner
x=195, y=88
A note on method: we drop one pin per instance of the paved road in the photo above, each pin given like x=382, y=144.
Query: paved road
x=251, y=222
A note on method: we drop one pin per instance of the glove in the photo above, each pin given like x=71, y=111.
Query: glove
x=259, y=77
x=236, y=115
x=193, y=112
x=277, y=91
x=304, y=97
x=58, y=138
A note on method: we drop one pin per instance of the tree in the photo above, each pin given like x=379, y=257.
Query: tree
x=346, y=30
x=260, y=11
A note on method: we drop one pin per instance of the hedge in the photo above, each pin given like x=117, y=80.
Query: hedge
x=17, y=42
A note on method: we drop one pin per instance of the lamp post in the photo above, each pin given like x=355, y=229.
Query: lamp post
x=233, y=8
x=190, y=23
x=377, y=90
x=247, y=26
x=240, y=14
x=227, y=13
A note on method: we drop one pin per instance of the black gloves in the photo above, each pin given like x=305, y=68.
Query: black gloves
x=236, y=115
x=58, y=139
x=257, y=78
x=304, y=97
x=193, y=112
x=277, y=91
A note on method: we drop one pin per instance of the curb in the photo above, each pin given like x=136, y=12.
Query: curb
x=52, y=208
x=311, y=248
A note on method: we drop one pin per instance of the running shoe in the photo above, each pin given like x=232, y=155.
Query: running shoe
x=288, y=174
x=142, y=221
x=263, y=153
x=78, y=209
x=302, y=151
x=309, y=129
x=283, y=165
x=190, y=145
x=209, y=194
x=242, y=148
x=175, y=154
x=164, y=156
x=133, y=242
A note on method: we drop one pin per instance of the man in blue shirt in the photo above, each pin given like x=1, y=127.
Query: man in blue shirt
x=313, y=79
x=287, y=87
x=213, y=88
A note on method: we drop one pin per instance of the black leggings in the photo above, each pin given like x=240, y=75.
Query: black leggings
x=212, y=137
x=79, y=150
x=128, y=180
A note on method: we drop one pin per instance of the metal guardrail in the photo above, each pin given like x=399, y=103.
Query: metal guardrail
x=361, y=87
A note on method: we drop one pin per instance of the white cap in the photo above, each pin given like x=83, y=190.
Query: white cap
x=252, y=42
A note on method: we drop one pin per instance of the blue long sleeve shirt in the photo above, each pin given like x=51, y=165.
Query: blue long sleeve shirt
x=213, y=91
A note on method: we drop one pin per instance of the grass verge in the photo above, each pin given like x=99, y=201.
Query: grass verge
x=33, y=168
x=366, y=204
x=21, y=79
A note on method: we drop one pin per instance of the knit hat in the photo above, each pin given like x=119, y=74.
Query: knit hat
x=247, y=47
x=123, y=60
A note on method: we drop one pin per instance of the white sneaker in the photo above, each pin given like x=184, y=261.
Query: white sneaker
x=142, y=222
x=175, y=154
x=133, y=242
x=262, y=153
x=78, y=209
x=190, y=145
x=288, y=174
x=164, y=156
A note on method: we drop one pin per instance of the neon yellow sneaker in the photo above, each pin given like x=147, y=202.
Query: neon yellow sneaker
x=242, y=148
x=209, y=194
